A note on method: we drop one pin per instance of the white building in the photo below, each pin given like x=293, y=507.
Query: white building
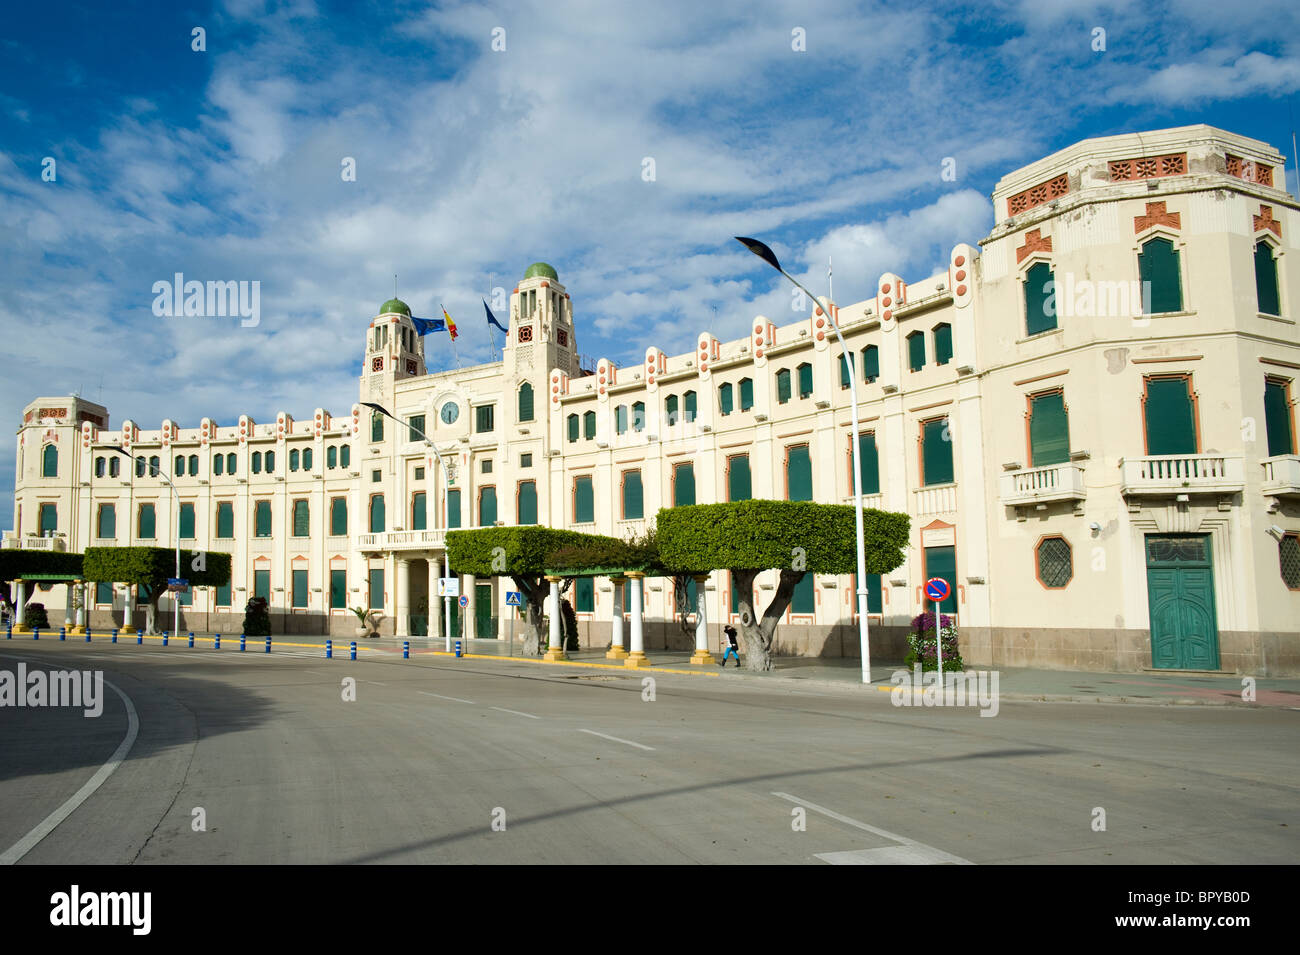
x=1090, y=420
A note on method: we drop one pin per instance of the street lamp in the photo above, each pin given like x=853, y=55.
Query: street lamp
x=446, y=480
x=176, y=525
x=768, y=256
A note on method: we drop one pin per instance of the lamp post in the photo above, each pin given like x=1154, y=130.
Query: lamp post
x=446, y=480
x=768, y=256
x=176, y=526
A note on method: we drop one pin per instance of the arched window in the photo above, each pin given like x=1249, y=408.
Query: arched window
x=525, y=402
x=331, y=457
x=155, y=465
x=230, y=463
x=345, y=455
x=620, y=419
x=194, y=465
x=572, y=422
x=805, y=380
x=689, y=407
x=1162, y=284
x=140, y=465
x=916, y=351
x=114, y=466
x=725, y=399
x=270, y=462
x=99, y=467
x=376, y=426
x=783, y=386
x=942, y=334
x=638, y=416
x=178, y=466
x=870, y=363
x=746, y=393
x=50, y=461
x=219, y=464
x=589, y=425
x=670, y=410
x=306, y=459
x=293, y=460
x=339, y=516
x=301, y=519
x=146, y=524
x=376, y=513
x=1266, y=293
x=256, y=464
x=1040, y=299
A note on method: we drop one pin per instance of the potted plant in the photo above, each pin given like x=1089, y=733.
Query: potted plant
x=367, y=620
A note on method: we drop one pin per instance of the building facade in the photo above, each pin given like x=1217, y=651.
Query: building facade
x=1089, y=418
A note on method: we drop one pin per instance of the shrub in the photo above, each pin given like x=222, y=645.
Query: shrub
x=35, y=618
x=921, y=648
x=257, y=618
x=570, y=626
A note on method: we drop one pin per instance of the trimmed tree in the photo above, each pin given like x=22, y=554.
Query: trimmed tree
x=519, y=553
x=794, y=537
x=16, y=563
x=151, y=567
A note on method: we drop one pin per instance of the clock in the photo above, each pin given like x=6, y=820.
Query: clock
x=450, y=412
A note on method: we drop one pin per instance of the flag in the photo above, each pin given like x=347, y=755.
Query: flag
x=492, y=319
x=425, y=325
x=451, y=326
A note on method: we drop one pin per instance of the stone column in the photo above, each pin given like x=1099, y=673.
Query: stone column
x=616, y=651
x=637, y=657
x=69, y=605
x=128, y=611
x=555, y=651
x=701, y=655
x=20, y=602
x=468, y=628
x=435, y=602
x=82, y=591
x=402, y=625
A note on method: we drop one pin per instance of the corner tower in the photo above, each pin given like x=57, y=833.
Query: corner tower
x=541, y=327
x=394, y=351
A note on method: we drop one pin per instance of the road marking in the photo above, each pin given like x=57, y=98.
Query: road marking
x=455, y=699
x=910, y=852
x=374, y=683
x=618, y=740
x=48, y=824
x=516, y=712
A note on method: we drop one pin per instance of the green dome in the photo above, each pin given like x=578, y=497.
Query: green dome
x=540, y=270
x=394, y=305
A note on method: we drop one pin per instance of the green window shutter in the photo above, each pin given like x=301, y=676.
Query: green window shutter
x=1040, y=299
x=803, y=600
x=107, y=521
x=692, y=596
x=1277, y=419
x=633, y=501
x=638, y=416
x=724, y=399
x=1266, y=280
x=620, y=419
x=735, y=595
x=670, y=409
x=50, y=461
x=584, y=595
x=232, y=463
x=783, y=386
x=338, y=589
x=339, y=516
x=345, y=457
x=484, y=421
x=262, y=519
x=270, y=462
x=414, y=427
x=689, y=406
x=223, y=594
x=103, y=593
x=875, y=602
x=219, y=464
x=147, y=528
x=419, y=514
x=178, y=465
x=746, y=393
x=376, y=426
x=187, y=521
x=870, y=363
x=589, y=425
x=377, y=516
x=869, y=456
x=584, y=505
x=48, y=519
x=1049, y=430
x=293, y=460
x=738, y=483
x=301, y=519
x=262, y=584
x=453, y=509
x=225, y=520
x=306, y=459
x=916, y=351
x=942, y=344
x=936, y=453
x=573, y=427
x=1170, y=424
x=487, y=506
x=683, y=485
x=798, y=474
x=845, y=374
x=1159, y=271
x=526, y=402
x=805, y=380
x=942, y=562
x=376, y=589
x=331, y=457
x=300, y=589
x=527, y=502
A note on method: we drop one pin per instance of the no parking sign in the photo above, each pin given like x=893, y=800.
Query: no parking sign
x=937, y=589
x=463, y=601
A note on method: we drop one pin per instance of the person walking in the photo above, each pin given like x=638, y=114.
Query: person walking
x=733, y=648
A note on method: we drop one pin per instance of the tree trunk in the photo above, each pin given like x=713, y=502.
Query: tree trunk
x=151, y=612
x=756, y=634
x=535, y=591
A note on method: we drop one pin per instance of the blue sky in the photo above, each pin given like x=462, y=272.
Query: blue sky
x=471, y=163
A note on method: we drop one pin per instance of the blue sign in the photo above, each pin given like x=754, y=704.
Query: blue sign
x=463, y=601
x=936, y=588
x=514, y=598
x=178, y=585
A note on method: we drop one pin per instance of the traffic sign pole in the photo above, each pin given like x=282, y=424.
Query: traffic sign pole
x=937, y=589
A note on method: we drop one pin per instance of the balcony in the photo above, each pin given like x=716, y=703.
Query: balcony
x=1281, y=478
x=939, y=499
x=1043, y=485
x=1182, y=474
x=34, y=543
x=402, y=540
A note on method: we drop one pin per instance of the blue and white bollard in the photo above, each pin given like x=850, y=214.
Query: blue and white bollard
x=216, y=641
x=329, y=649
x=241, y=643
x=191, y=638
x=139, y=638
x=63, y=633
x=115, y=634
x=268, y=644
x=354, y=649
x=458, y=652
x=164, y=638
x=406, y=649
x=36, y=633
x=87, y=634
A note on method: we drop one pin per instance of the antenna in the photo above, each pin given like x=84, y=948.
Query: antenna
x=830, y=281
x=394, y=285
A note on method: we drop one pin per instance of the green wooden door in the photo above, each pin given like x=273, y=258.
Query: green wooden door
x=1180, y=592
x=483, y=628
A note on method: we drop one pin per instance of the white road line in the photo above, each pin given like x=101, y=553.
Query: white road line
x=48, y=824
x=516, y=712
x=455, y=699
x=910, y=852
x=374, y=683
x=618, y=740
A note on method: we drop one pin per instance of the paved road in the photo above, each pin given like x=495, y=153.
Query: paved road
x=579, y=767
